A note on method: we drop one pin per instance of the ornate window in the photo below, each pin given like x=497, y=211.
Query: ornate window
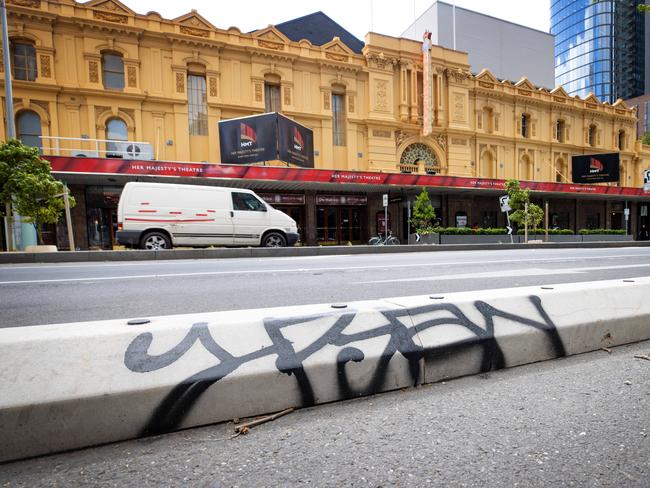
x=621, y=140
x=525, y=125
x=29, y=128
x=560, y=130
x=23, y=60
x=116, y=130
x=197, y=102
x=418, y=152
x=338, y=116
x=272, y=101
x=591, y=135
x=113, y=70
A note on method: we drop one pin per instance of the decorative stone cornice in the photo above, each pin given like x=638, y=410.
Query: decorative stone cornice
x=381, y=61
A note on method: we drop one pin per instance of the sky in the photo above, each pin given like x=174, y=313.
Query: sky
x=390, y=17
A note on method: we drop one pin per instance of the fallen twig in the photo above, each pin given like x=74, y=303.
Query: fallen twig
x=640, y=356
x=246, y=426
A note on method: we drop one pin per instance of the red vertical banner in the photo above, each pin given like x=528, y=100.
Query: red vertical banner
x=427, y=85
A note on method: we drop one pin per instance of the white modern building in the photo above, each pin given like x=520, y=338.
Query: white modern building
x=508, y=50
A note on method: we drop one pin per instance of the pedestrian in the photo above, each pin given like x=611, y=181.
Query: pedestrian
x=643, y=233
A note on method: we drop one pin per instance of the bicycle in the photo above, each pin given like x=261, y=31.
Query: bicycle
x=380, y=240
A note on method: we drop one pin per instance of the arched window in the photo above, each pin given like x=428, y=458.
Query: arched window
x=591, y=135
x=560, y=172
x=487, y=165
x=116, y=130
x=525, y=125
x=488, y=120
x=272, y=100
x=197, y=104
x=418, y=152
x=525, y=168
x=28, y=124
x=23, y=60
x=113, y=70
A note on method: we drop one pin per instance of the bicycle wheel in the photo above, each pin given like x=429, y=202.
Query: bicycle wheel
x=392, y=241
x=373, y=241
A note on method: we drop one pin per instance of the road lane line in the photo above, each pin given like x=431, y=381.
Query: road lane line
x=504, y=274
x=301, y=270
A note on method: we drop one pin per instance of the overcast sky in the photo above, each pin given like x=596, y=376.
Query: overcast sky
x=390, y=17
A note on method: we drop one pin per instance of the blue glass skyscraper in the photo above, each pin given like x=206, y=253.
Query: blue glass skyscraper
x=599, y=47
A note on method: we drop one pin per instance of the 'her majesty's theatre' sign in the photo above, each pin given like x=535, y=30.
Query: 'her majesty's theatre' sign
x=595, y=168
x=266, y=137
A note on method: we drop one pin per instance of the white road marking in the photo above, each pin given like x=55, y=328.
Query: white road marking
x=337, y=268
x=504, y=274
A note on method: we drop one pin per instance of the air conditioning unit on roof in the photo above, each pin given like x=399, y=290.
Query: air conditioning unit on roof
x=133, y=150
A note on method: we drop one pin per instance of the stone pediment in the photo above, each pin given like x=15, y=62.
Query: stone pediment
x=194, y=24
x=559, y=92
x=112, y=6
x=591, y=98
x=621, y=104
x=337, y=51
x=525, y=84
x=486, y=76
x=271, y=38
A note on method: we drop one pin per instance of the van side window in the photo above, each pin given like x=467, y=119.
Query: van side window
x=246, y=201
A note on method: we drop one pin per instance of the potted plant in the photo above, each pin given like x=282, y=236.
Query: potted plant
x=422, y=220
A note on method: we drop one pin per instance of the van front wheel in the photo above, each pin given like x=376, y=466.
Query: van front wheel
x=274, y=239
x=155, y=241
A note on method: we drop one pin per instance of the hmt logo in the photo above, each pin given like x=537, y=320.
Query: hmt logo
x=247, y=135
x=298, y=143
x=595, y=166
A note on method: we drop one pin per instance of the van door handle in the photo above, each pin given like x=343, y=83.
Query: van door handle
x=232, y=214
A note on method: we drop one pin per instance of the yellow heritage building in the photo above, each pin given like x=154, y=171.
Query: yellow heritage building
x=100, y=71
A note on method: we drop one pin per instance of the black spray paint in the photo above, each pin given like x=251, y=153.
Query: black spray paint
x=179, y=401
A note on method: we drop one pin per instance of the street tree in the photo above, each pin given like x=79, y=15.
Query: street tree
x=518, y=200
x=646, y=139
x=423, y=214
x=26, y=183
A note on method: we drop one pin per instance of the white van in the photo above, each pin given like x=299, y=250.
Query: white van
x=159, y=216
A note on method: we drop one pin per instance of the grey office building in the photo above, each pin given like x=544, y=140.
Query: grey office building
x=508, y=50
x=601, y=46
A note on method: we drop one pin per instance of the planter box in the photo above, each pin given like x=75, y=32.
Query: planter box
x=606, y=237
x=476, y=239
x=425, y=239
x=553, y=237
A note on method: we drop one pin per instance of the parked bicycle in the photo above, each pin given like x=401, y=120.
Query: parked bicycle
x=384, y=240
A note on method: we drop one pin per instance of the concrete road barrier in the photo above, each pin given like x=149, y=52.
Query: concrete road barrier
x=75, y=385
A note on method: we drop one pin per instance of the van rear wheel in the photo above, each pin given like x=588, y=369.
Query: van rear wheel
x=274, y=239
x=155, y=241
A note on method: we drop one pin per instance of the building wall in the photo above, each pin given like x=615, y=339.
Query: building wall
x=477, y=118
x=508, y=50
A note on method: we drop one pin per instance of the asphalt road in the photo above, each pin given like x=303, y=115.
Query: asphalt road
x=36, y=294
x=578, y=421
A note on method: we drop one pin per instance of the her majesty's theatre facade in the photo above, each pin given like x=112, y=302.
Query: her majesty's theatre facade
x=111, y=96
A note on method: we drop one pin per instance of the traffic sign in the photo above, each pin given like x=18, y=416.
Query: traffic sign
x=509, y=230
x=504, y=201
x=385, y=200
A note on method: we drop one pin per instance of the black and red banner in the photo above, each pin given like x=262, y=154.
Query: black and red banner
x=62, y=165
x=266, y=137
x=595, y=168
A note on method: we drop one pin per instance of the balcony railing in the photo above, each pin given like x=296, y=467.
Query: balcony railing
x=95, y=148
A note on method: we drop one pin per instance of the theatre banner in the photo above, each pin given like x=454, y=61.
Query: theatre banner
x=266, y=137
x=595, y=168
